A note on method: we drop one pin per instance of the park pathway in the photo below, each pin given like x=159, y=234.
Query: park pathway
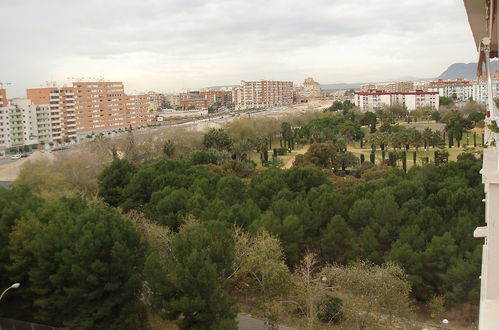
x=299, y=152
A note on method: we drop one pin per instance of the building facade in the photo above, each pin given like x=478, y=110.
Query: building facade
x=373, y=99
x=262, y=94
x=24, y=123
x=308, y=91
x=463, y=90
x=3, y=98
x=390, y=87
x=91, y=107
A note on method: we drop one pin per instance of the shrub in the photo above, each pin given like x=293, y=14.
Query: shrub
x=330, y=310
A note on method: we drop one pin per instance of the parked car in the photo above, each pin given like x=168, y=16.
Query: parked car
x=14, y=157
x=24, y=155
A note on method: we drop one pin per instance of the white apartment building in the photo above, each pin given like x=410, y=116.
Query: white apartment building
x=463, y=92
x=23, y=123
x=373, y=99
x=262, y=94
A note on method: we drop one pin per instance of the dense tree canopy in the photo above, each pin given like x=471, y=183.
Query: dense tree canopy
x=402, y=218
x=79, y=265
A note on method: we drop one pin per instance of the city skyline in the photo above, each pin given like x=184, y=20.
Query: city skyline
x=172, y=45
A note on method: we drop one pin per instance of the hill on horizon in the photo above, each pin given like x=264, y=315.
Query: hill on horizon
x=464, y=70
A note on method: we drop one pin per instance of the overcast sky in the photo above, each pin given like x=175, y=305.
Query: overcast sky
x=170, y=45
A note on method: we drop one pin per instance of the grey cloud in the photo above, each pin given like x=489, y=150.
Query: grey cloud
x=44, y=33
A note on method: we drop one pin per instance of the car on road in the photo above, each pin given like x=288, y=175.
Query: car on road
x=24, y=155
x=15, y=157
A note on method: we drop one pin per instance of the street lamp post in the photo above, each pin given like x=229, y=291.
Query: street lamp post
x=13, y=286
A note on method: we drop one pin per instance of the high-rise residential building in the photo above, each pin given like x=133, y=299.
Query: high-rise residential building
x=3, y=98
x=156, y=100
x=62, y=109
x=308, y=91
x=203, y=99
x=464, y=90
x=262, y=93
x=372, y=99
x=394, y=87
x=367, y=87
x=172, y=100
x=24, y=123
x=390, y=87
x=91, y=107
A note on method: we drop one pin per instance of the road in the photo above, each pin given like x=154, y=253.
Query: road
x=249, y=323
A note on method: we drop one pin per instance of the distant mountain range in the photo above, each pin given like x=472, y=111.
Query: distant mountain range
x=465, y=70
x=454, y=71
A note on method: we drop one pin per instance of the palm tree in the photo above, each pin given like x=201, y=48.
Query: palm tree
x=427, y=137
x=436, y=139
x=241, y=149
x=383, y=140
x=169, y=148
x=261, y=146
x=416, y=138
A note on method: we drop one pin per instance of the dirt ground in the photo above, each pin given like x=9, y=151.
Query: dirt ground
x=9, y=171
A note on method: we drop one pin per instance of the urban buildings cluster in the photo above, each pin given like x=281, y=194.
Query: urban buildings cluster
x=375, y=98
x=81, y=109
x=262, y=94
x=463, y=90
x=425, y=93
x=57, y=114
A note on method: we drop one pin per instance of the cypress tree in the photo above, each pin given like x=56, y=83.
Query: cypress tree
x=391, y=159
x=404, y=161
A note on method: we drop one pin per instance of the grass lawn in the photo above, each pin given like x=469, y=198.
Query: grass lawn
x=275, y=145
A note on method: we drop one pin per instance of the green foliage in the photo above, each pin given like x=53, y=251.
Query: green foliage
x=79, y=265
x=327, y=156
x=338, y=244
x=329, y=310
x=331, y=128
x=476, y=116
x=169, y=149
x=217, y=139
x=192, y=281
x=389, y=216
x=456, y=124
x=446, y=100
x=113, y=179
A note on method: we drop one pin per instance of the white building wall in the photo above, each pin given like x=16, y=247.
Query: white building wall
x=4, y=129
x=489, y=292
x=410, y=102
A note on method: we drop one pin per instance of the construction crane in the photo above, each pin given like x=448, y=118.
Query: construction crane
x=2, y=84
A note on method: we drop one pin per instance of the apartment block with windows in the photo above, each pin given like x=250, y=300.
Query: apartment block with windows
x=91, y=107
x=372, y=99
x=24, y=123
x=104, y=106
x=262, y=94
x=3, y=98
